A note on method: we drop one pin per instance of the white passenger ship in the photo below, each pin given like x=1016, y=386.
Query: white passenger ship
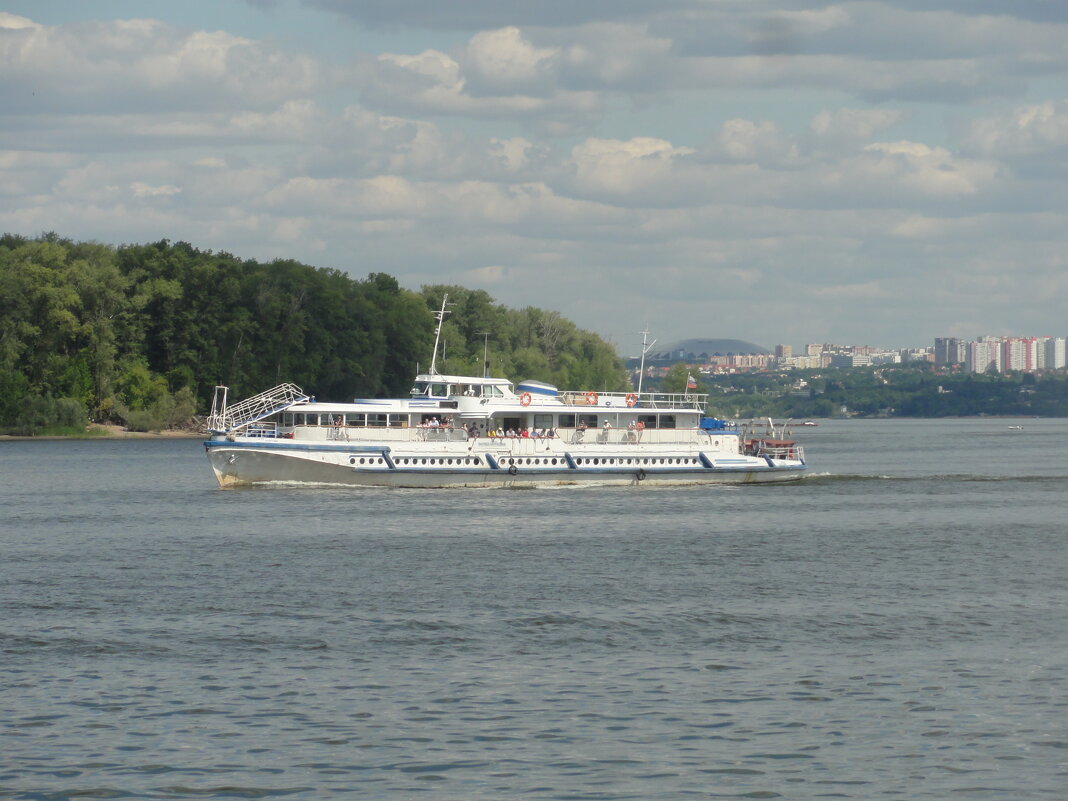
x=464, y=431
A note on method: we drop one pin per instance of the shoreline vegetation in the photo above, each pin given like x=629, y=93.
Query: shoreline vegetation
x=137, y=336
x=118, y=342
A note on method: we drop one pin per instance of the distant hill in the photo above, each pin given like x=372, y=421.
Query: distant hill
x=697, y=349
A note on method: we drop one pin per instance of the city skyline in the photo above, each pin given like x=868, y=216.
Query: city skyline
x=782, y=170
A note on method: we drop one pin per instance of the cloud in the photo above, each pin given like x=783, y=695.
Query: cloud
x=616, y=167
x=503, y=61
x=1032, y=130
x=746, y=140
x=139, y=65
x=853, y=124
x=143, y=190
x=468, y=15
x=846, y=166
x=498, y=75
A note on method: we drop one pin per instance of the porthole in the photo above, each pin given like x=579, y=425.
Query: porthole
x=448, y=461
x=352, y=460
x=477, y=461
x=578, y=461
x=361, y=461
x=554, y=461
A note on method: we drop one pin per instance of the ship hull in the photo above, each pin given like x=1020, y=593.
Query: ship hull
x=243, y=464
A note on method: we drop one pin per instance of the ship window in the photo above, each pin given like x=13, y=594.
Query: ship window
x=398, y=421
x=356, y=419
x=543, y=421
x=567, y=421
x=377, y=420
x=491, y=391
x=589, y=419
x=648, y=419
x=438, y=391
x=667, y=421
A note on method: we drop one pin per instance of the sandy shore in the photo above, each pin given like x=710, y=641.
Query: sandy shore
x=97, y=431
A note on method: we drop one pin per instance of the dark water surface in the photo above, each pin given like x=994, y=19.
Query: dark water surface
x=895, y=626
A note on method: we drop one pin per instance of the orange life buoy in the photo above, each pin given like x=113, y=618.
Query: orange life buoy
x=641, y=425
x=631, y=399
x=524, y=399
x=591, y=398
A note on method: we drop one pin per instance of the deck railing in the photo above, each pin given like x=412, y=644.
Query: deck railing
x=634, y=400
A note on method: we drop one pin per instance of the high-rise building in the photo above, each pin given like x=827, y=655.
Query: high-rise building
x=784, y=351
x=983, y=355
x=948, y=350
x=1053, y=353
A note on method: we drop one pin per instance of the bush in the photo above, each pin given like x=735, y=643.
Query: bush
x=44, y=415
x=168, y=411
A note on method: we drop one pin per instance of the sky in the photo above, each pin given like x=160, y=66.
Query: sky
x=776, y=171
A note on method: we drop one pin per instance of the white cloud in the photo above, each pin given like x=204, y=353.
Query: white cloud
x=613, y=166
x=854, y=123
x=134, y=65
x=11, y=22
x=1027, y=131
x=731, y=148
x=745, y=140
x=143, y=190
x=503, y=60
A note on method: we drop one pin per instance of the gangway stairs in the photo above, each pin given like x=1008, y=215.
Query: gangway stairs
x=224, y=419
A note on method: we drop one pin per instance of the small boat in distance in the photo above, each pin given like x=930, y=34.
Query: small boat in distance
x=479, y=431
x=1015, y=428
x=810, y=423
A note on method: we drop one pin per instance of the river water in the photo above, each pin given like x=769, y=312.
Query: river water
x=894, y=626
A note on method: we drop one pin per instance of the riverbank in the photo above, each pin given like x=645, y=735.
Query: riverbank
x=98, y=431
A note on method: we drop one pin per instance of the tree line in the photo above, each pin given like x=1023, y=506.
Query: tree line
x=140, y=334
x=906, y=390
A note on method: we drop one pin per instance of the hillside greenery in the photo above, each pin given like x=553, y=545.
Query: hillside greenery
x=140, y=334
x=906, y=390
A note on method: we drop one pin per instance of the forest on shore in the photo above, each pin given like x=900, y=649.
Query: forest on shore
x=139, y=335
x=913, y=389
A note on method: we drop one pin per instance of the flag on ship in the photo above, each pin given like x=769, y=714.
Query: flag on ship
x=691, y=382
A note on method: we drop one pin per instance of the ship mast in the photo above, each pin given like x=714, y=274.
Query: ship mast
x=440, y=317
x=645, y=349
